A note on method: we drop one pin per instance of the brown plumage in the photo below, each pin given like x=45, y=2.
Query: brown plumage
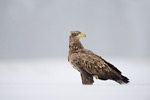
x=89, y=64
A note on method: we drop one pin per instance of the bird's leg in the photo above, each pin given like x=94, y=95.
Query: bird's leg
x=86, y=78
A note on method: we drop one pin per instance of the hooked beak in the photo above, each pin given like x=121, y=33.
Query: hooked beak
x=81, y=35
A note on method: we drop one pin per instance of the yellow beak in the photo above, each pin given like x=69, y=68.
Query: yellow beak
x=82, y=35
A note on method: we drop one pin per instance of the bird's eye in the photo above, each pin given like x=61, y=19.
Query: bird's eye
x=75, y=34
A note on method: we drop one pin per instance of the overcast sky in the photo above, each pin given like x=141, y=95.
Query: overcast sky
x=35, y=29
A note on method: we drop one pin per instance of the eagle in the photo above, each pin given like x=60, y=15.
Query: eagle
x=91, y=65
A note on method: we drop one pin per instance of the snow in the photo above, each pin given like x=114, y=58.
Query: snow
x=56, y=79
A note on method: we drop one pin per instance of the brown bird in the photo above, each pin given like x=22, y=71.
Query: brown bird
x=89, y=64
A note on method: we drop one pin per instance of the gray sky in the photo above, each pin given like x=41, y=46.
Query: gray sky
x=35, y=29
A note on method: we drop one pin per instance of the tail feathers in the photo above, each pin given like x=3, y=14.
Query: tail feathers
x=122, y=80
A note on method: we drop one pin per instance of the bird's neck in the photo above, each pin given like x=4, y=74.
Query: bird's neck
x=74, y=45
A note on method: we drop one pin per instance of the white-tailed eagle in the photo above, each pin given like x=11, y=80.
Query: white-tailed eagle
x=89, y=64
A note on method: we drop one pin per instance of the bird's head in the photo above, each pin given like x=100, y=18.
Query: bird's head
x=77, y=34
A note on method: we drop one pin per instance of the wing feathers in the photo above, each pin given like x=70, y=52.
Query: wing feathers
x=112, y=66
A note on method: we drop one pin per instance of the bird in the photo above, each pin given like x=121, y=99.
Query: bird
x=91, y=65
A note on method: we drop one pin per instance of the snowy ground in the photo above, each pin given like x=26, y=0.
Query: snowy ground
x=55, y=79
